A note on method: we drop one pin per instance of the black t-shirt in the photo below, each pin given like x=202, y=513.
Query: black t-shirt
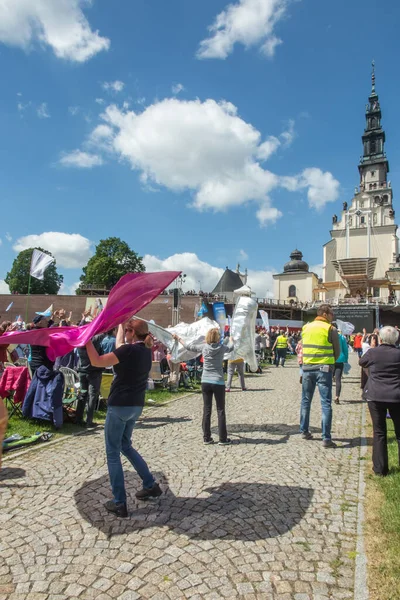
x=39, y=358
x=131, y=375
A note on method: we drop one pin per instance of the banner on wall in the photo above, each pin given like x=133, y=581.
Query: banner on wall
x=220, y=316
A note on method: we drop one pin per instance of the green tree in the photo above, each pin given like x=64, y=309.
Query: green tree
x=18, y=278
x=112, y=259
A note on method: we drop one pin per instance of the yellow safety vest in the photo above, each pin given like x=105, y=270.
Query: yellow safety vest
x=281, y=341
x=317, y=349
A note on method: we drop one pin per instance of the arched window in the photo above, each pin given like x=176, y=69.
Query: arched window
x=386, y=198
x=292, y=291
x=372, y=147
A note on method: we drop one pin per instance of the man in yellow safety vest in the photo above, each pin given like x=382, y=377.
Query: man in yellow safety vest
x=280, y=348
x=321, y=347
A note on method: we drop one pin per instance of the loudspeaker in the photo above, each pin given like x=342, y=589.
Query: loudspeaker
x=176, y=297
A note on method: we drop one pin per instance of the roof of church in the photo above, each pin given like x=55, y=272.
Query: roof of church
x=229, y=282
x=296, y=263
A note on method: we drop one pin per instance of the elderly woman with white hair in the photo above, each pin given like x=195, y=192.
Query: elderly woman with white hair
x=382, y=391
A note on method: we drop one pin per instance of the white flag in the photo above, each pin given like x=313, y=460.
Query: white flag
x=345, y=327
x=39, y=263
x=265, y=319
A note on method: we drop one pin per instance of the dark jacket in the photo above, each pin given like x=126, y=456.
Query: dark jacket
x=383, y=364
x=43, y=399
x=85, y=365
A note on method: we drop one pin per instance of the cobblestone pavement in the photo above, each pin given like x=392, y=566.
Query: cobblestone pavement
x=270, y=517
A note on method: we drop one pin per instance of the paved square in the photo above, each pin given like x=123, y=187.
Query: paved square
x=270, y=517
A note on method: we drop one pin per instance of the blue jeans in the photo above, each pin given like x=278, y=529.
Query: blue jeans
x=118, y=429
x=324, y=383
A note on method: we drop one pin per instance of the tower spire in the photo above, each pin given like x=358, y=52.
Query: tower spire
x=373, y=166
x=373, y=77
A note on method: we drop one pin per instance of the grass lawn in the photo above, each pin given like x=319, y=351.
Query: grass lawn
x=382, y=528
x=27, y=427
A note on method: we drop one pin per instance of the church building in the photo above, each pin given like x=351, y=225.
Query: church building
x=361, y=259
x=297, y=283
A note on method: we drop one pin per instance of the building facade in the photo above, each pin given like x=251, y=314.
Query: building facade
x=361, y=259
x=297, y=283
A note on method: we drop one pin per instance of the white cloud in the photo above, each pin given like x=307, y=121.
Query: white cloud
x=82, y=160
x=195, y=269
x=261, y=282
x=68, y=290
x=243, y=255
x=204, y=148
x=322, y=187
x=42, y=111
x=113, y=86
x=248, y=22
x=200, y=274
x=59, y=24
x=268, y=214
x=272, y=143
x=100, y=101
x=4, y=289
x=73, y=110
x=317, y=269
x=177, y=89
x=192, y=145
x=71, y=250
x=8, y=237
x=22, y=107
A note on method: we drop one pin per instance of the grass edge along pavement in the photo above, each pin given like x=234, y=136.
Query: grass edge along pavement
x=382, y=525
x=28, y=427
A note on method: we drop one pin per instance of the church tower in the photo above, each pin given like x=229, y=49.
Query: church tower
x=364, y=245
x=374, y=165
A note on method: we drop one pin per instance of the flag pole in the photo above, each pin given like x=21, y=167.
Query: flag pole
x=27, y=300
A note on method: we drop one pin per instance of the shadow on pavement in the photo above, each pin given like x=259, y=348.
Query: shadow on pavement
x=7, y=473
x=360, y=401
x=154, y=422
x=231, y=511
x=352, y=442
x=273, y=428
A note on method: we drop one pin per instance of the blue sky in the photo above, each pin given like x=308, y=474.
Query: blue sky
x=199, y=146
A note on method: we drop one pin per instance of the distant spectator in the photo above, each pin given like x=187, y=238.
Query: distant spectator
x=358, y=344
x=109, y=341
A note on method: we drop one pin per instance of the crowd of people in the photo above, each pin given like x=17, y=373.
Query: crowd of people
x=128, y=353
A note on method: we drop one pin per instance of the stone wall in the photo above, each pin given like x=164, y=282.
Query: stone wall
x=160, y=310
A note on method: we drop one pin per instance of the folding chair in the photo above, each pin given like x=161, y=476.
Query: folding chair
x=14, y=408
x=24, y=362
x=71, y=386
x=156, y=375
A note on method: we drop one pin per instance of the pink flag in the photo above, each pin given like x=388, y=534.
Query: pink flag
x=131, y=294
